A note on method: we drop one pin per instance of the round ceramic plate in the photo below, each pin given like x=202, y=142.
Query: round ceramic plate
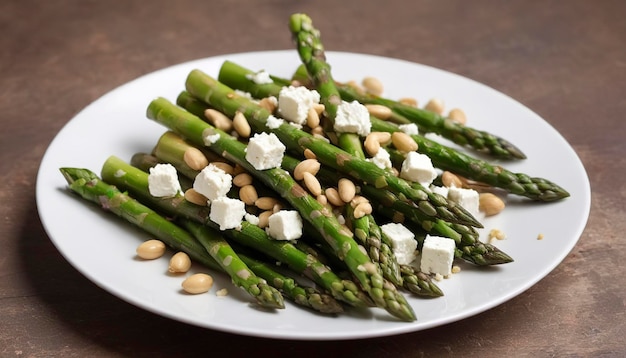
x=116, y=124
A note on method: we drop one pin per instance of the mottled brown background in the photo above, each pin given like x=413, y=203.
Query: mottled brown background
x=564, y=59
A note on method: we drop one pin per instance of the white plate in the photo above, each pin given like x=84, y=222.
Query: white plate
x=102, y=247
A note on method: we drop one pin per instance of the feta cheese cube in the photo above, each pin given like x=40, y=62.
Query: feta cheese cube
x=418, y=167
x=163, y=181
x=212, y=182
x=352, y=117
x=466, y=198
x=227, y=212
x=403, y=242
x=252, y=219
x=273, y=122
x=265, y=151
x=409, y=128
x=285, y=225
x=260, y=78
x=437, y=255
x=294, y=103
x=382, y=159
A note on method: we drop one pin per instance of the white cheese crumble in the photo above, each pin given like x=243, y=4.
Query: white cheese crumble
x=410, y=128
x=418, y=167
x=352, y=117
x=227, y=212
x=441, y=190
x=285, y=225
x=294, y=103
x=265, y=151
x=273, y=122
x=252, y=219
x=437, y=255
x=466, y=198
x=208, y=137
x=260, y=78
x=163, y=181
x=212, y=182
x=382, y=159
x=403, y=242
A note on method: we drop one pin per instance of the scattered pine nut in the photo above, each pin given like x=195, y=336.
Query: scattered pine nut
x=264, y=218
x=192, y=196
x=269, y=103
x=333, y=197
x=362, y=209
x=456, y=269
x=540, y=237
x=311, y=182
x=346, y=190
x=312, y=118
x=319, y=108
x=490, y=204
x=308, y=154
x=241, y=125
x=151, y=249
x=179, y=263
x=222, y=292
x=372, y=85
x=266, y=202
x=379, y=111
x=218, y=119
x=197, y=283
x=242, y=179
x=457, y=115
x=403, y=142
x=435, y=105
x=449, y=180
x=309, y=165
x=248, y=194
x=195, y=159
x=408, y=101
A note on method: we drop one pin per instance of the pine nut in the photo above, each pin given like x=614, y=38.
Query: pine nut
x=333, y=197
x=319, y=108
x=197, y=283
x=379, y=111
x=362, y=209
x=312, y=118
x=238, y=170
x=266, y=203
x=195, y=159
x=308, y=154
x=218, y=119
x=403, y=142
x=227, y=168
x=450, y=179
x=179, y=263
x=346, y=190
x=435, y=105
x=457, y=115
x=192, y=196
x=241, y=125
x=309, y=165
x=408, y=101
x=490, y=204
x=151, y=249
x=311, y=182
x=372, y=85
x=374, y=140
x=268, y=103
x=242, y=179
x=264, y=218
x=317, y=131
x=358, y=199
x=248, y=194
x=322, y=199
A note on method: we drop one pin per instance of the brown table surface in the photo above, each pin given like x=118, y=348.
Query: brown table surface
x=566, y=60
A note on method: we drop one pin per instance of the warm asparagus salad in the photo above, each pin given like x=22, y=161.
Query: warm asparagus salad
x=323, y=193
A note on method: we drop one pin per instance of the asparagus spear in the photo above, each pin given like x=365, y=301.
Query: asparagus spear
x=418, y=282
x=90, y=187
x=126, y=177
x=446, y=158
x=369, y=276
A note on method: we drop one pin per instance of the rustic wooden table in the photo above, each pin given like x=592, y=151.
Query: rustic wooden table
x=566, y=60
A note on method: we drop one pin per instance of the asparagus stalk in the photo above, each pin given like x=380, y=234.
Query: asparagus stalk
x=135, y=181
x=369, y=276
x=446, y=158
x=231, y=263
x=418, y=282
x=90, y=187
